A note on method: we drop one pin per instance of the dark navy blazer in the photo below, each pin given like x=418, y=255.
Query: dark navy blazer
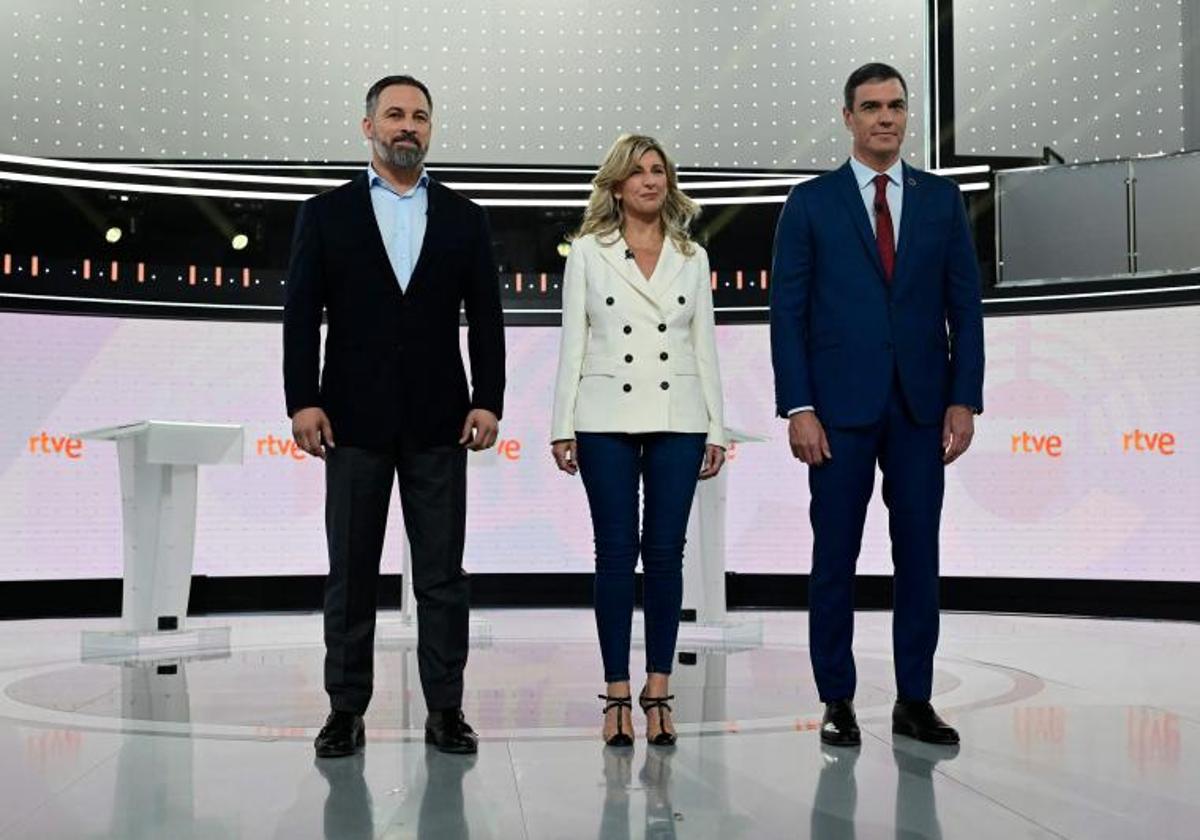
x=839, y=332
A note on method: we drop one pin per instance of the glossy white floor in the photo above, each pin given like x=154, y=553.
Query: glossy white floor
x=1071, y=728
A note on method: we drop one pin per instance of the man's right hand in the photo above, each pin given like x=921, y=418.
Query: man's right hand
x=807, y=438
x=312, y=432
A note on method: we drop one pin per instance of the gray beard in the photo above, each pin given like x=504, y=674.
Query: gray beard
x=398, y=157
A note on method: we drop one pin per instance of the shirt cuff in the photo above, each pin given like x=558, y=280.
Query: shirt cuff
x=799, y=409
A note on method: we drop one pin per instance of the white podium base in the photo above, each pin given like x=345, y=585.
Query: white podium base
x=404, y=629
x=733, y=632
x=104, y=644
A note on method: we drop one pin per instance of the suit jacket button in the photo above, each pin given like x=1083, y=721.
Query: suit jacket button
x=665, y=385
x=682, y=300
x=628, y=329
x=662, y=327
x=627, y=388
x=628, y=358
x=663, y=356
x=609, y=301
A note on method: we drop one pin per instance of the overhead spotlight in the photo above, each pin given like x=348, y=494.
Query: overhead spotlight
x=564, y=249
x=113, y=235
x=239, y=241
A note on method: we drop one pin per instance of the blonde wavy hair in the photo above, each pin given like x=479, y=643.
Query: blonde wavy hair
x=605, y=217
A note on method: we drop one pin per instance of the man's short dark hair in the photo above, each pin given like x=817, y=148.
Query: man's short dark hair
x=873, y=72
x=386, y=82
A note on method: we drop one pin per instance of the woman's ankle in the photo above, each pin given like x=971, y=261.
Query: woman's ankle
x=657, y=685
x=618, y=689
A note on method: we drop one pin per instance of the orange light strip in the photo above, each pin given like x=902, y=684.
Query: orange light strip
x=191, y=275
x=35, y=266
x=217, y=276
x=87, y=269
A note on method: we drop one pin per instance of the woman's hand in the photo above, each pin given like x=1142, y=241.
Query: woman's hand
x=714, y=457
x=564, y=456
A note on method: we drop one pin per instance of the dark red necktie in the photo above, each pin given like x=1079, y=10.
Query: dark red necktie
x=885, y=239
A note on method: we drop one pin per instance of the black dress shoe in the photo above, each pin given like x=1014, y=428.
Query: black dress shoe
x=839, y=726
x=449, y=731
x=917, y=719
x=342, y=734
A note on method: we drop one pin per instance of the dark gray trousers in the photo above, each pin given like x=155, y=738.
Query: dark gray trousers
x=433, y=495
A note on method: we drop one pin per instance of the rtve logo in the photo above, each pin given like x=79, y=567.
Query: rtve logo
x=280, y=447
x=273, y=447
x=1138, y=441
x=46, y=444
x=1029, y=443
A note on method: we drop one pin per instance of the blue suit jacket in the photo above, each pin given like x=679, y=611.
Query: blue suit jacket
x=839, y=332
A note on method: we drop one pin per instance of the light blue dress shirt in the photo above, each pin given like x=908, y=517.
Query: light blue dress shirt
x=401, y=220
x=865, y=176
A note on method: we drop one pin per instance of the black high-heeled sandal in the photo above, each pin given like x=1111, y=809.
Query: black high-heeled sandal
x=619, y=738
x=663, y=738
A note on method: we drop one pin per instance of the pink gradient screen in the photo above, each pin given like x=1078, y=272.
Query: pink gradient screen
x=1084, y=465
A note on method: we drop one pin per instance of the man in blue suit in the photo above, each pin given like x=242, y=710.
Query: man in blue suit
x=877, y=346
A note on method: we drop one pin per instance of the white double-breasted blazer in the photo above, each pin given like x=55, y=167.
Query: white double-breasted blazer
x=637, y=355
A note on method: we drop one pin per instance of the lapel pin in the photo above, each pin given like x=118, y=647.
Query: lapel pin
x=912, y=182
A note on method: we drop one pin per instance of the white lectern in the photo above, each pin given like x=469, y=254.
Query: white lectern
x=704, y=615
x=158, y=462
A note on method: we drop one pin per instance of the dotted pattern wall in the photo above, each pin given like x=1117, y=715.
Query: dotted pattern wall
x=1093, y=80
x=722, y=82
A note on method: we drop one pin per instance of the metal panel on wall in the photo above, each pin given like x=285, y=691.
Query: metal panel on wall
x=1168, y=213
x=1062, y=222
x=1096, y=81
x=722, y=84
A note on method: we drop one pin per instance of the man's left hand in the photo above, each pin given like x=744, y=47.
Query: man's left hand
x=957, y=431
x=480, y=430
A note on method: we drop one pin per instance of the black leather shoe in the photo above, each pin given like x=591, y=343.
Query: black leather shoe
x=449, y=731
x=917, y=719
x=839, y=726
x=342, y=734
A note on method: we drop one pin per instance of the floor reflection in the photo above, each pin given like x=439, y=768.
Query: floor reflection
x=348, y=812
x=835, y=803
x=653, y=781
x=155, y=777
x=836, y=797
x=442, y=815
x=916, y=805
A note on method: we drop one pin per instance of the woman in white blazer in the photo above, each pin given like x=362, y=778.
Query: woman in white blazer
x=638, y=401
